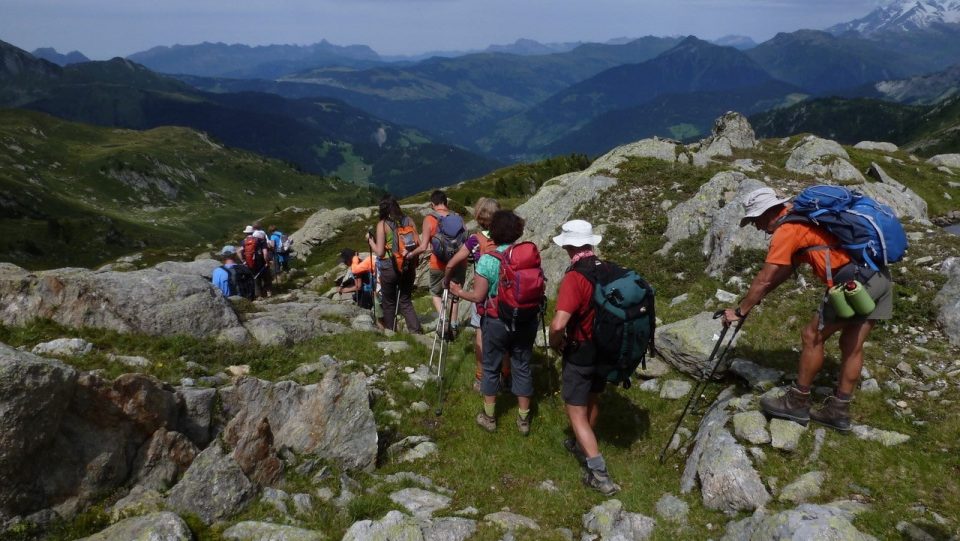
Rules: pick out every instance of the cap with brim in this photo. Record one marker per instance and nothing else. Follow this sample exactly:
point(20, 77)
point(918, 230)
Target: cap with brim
point(228, 250)
point(247, 230)
point(759, 201)
point(577, 233)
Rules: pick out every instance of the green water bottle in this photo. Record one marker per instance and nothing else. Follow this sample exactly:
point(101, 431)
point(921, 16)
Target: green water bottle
point(838, 300)
point(859, 298)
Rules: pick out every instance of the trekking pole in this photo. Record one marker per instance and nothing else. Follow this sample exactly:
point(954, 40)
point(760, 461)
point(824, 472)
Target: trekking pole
point(436, 335)
point(548, 358)
point(444, 318)
point(702, 384)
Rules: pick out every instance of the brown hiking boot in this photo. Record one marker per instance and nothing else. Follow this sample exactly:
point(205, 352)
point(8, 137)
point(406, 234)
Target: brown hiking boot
point(600, 481)
point(793, 405)
point(834, 413)
point(486, 422)
point(523, 425)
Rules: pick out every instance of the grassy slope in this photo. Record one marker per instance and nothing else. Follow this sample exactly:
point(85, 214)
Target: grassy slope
point(65, 202)
point(503, 470)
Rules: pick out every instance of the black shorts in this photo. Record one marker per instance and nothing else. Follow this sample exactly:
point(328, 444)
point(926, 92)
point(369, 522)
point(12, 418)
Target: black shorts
point(579, 382)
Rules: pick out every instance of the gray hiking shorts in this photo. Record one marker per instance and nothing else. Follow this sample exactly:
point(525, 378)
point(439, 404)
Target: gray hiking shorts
point(880, 287)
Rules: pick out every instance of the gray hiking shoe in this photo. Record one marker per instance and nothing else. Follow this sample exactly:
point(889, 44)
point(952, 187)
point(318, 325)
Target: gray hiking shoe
point(600, 481)
point(523, 425)
point(834, 413)
point(486, 422)
point(793, 405)
point(571, 445)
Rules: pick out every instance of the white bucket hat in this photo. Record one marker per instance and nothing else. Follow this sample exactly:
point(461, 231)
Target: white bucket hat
point(577, 233)
point(759, 201)
point(247, 230)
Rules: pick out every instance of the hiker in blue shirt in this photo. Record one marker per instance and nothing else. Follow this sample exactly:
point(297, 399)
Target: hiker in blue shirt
point(280, 261)
point(221, 277)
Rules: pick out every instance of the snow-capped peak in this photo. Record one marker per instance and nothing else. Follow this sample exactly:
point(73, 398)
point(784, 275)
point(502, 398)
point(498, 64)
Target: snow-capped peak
point(904, 15)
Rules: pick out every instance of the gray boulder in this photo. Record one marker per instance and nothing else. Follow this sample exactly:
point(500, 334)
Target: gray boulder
point(673, 509)
point(675, 389)
point(686, 344)
point(305, 317)
point(261, 531)
point(511, 521)
point(946, 160)
point(148, 301)
point(323, 225)
point(448, 529)
point(805, 488)
point(948, 300)
point(886, 437)
point(196, 413)
point(331, 418)
point(139, 501)
point(877, 146)
point(731, 131)
point(162, 460)
point(200, 267)
point(728, 480)
point(63, 347)
point(214, 488)
point(759, 377)
point(906, 204)
point(822, 158)
point(394, 526)
point(153, 527)
point(785, 434)
point(67, 438)
point(419, 502)
point(751, 426)
point(610, 521)
point(805, 523)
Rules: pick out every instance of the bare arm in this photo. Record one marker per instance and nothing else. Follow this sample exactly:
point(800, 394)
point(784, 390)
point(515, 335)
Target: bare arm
point(424, 242)
point(379, 245)
point(768, 279)
point(455, 262)
point(558, 330)
point(479, 292)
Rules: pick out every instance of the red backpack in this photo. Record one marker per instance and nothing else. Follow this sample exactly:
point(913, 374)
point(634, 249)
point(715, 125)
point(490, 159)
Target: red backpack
point(521, 290)
point(253, 253)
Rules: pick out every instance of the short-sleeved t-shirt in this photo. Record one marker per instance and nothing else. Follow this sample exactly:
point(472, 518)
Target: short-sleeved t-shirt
point(574, 297)
point(489, 268)
point(788, 243)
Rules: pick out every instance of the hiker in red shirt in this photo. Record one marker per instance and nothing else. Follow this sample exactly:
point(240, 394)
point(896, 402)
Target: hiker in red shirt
point(792, 244)
point(571, 333)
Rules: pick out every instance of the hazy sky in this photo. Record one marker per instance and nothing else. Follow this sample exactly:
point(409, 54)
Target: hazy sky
point(107, 28)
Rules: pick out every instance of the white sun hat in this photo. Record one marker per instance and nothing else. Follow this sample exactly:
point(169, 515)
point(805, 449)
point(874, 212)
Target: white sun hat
point(577, 233)
point(759, 201)
point(247, 230)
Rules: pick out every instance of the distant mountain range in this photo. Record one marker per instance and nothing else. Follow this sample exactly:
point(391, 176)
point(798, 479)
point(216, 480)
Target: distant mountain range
point(51, 55)
point(319, 135)
point(903, 15)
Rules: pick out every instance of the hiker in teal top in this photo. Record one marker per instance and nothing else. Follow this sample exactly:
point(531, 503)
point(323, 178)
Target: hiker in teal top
point(498, 339)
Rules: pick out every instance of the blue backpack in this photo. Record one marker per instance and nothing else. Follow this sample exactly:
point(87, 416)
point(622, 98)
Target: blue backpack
point(868, 231)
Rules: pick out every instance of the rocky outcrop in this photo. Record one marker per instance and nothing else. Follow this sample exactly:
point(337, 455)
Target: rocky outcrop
point(687, 344)
point(331, 418)
point(877, 146)
point(260, 531)
point(300, 318)
point(728, 480)
point(806, 522)
point(716, 209)
point(324, 225)
point(906, 204)
point(395, 525)
point(162, 526)
point(254, 451)
point(148, 301)
point(214, 487)
point(162, 460)
point(63, 347)
point(946, 160)
point(731, 131)
point(824, 159)
point(948, 301)
point(67, 437)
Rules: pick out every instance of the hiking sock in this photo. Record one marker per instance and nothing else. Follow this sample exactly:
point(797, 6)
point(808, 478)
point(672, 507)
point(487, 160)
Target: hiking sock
point(842, 396)
point(489, 409)
point(802, 388)
point(597, 463)
point(523, 414)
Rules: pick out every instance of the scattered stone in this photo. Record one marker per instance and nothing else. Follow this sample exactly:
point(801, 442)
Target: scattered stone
point(468, 512)
point(682, 435)
point(905, 368)
point(887, 438)
point(448, 529)
point(946, 160)
point(214, 487)
point(819, 435)
point(751, 426)
point(420, 407)
point(511, 521)
point(421, 503)
point(363, 322)
point(63, 347)
point(275, 498)
point(140, 501)
point(412, 448)
point(758, 454)
point(759, 377)
point(823, 158)
point(389, 348)
point(675, 389)
point(673, 509)
point(609, 520)
point(912, 532)
point(650, 386)
point(870, 386)
point(238, 370)
point(725, 296)
point(806, 522)
point(687, 344)
point(155, 526)
point(655, 369)
point(420, 376)
point(680, 299)
point(325, 494)
point(805, 488)
point(878, 146)
point(785, 434)
point(260, 531)
point(549, 486)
